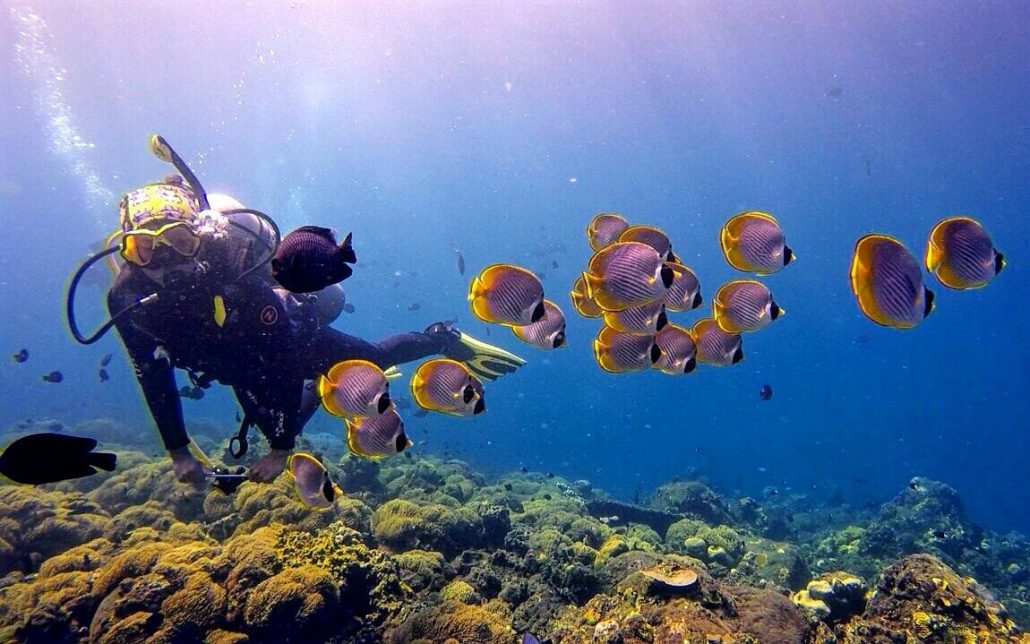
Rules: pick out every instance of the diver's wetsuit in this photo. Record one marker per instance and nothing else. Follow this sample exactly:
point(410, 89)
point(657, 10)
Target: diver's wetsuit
point(269, 344)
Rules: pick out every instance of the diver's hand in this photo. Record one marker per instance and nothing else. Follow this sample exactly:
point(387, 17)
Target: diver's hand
point(267, 468)
point(187, 468)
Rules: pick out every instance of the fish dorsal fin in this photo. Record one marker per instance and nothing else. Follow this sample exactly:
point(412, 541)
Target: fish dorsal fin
point(324, 233)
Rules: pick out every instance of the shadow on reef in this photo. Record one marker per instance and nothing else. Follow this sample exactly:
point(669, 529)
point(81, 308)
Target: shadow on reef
point(422, 550)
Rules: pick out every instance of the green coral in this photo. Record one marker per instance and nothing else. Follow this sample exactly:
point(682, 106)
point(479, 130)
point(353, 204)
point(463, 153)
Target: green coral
point(461, 592)
point(423, 569)
point(456, 622)
point(402, 525)
point(722, 545)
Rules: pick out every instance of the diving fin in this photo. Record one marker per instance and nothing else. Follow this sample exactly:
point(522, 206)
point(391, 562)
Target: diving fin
point(200, 455)
point(488, 362)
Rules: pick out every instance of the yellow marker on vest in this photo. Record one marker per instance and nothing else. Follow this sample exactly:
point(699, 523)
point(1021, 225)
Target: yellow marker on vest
point(219, 310)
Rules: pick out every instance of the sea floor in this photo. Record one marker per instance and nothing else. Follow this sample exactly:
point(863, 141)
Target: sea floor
point(427, 550)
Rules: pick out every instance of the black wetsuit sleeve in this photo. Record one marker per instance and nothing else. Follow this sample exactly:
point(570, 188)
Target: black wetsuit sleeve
point(331, 346)
point(155, 374)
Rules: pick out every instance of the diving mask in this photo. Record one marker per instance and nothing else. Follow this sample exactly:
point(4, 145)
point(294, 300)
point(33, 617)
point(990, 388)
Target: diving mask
point(138, 246)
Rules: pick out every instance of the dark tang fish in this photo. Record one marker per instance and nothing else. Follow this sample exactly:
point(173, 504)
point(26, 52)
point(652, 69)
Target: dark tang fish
point(47, 458)
point(21, 356)
point(888, 283)
point(53, 376)
point(309, 259)
point(961, 254)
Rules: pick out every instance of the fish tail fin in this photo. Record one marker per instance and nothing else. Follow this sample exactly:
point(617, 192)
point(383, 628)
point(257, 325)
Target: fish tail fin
point(104, 460)
point(347, 253)
point(325, 394)
point(591, 283)
point(602, 356)
point(934, 256)
point(480, 305)
point(476, 288)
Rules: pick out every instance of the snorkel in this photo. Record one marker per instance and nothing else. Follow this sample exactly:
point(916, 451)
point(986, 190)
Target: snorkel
point(208, 222)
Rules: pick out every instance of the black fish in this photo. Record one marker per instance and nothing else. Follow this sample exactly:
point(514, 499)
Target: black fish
point(104, 377)
point(835, 92)
point(106, 360)
point(309, 259)
point(53, 376)
point(461, 262)
point(766, 392)
point(415, 306)
point(21, 356)
point(348, 307)
point(47, 458)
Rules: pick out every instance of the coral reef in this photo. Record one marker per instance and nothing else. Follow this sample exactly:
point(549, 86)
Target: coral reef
point(420, 550)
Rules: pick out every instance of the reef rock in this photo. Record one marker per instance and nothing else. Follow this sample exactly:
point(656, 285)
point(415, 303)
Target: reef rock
point(693, 498)
point(927, 516)
point(920, 599)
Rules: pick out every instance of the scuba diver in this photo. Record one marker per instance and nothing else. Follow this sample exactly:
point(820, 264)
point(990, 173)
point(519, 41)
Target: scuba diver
point(195, 292)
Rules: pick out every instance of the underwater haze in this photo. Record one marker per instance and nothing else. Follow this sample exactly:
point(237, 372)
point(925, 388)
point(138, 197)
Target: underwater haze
point(499, 130)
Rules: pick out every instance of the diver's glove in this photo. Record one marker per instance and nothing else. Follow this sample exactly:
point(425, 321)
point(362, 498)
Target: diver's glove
point(484, 360)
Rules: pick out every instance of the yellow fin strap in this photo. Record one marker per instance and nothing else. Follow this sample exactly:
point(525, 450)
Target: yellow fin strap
point(200, 455)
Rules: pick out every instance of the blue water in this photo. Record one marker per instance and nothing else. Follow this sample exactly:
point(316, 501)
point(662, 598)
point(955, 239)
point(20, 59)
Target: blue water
point(500, 129)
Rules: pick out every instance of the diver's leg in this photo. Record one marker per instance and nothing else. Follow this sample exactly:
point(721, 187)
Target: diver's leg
point(309, 403)
point(276, 408)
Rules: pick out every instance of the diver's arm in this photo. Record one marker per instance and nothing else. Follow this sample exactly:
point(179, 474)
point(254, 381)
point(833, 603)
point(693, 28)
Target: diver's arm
point(154, 373)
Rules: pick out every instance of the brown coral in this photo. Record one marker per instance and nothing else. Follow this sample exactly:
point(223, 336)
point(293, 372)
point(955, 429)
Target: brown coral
point(298, 601)
point(921, 599)
point(453, 620)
